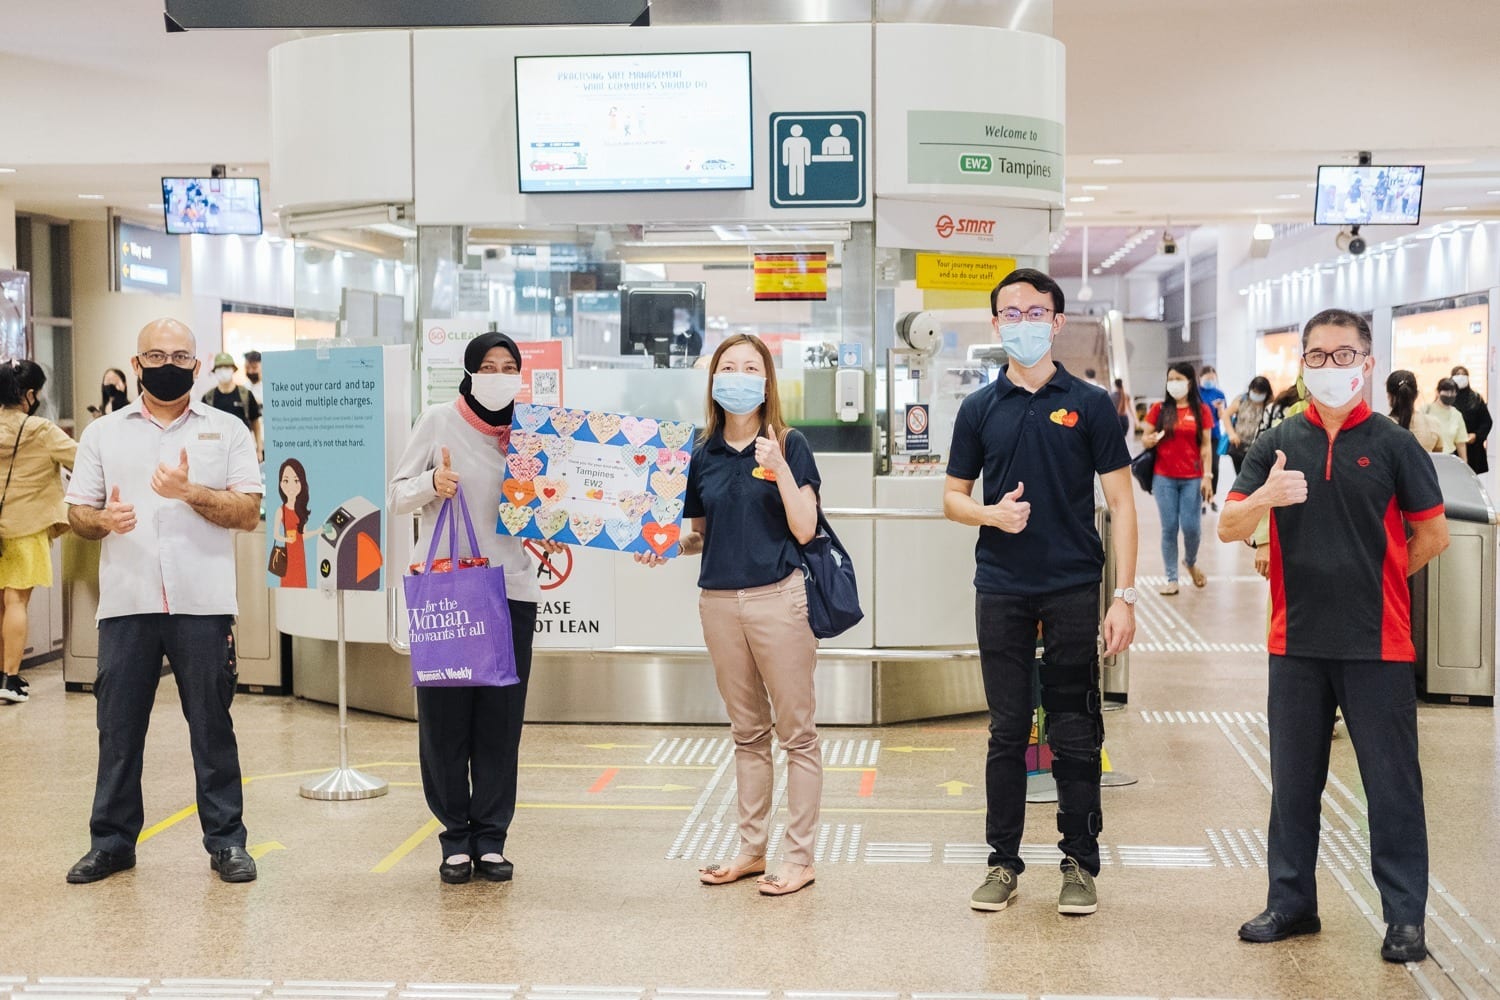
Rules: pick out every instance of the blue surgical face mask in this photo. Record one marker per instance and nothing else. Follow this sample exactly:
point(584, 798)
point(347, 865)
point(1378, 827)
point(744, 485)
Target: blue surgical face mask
point(1026, 343)
point(738, 392)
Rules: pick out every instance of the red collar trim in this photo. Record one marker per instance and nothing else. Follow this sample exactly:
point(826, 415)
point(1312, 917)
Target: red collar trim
point(1357, 416)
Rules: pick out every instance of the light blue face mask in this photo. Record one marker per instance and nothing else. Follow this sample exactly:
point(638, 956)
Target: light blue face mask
point(738, 392)
point(1026, 343)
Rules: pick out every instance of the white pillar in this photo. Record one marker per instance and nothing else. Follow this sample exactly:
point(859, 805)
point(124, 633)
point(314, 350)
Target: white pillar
point(7, 233)
point(1236, 339)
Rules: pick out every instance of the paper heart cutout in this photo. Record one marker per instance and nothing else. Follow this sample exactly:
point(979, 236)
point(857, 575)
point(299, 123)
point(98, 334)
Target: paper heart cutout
point(635, 504)
point(551, 490)
point(530, 417)
point(551, 521)
point(565, 422)
point(559, 448)
point(675, 433)
point(527, 443)
point(638, 458)
point(661, 537)
point(514, 517)
point(586, 527)
point(604, 426)
point(523, 467)
point(638, 430)
point(666, 511)
point(670, 461)
point(668, 485)
point(518, 492)
point(622, 532)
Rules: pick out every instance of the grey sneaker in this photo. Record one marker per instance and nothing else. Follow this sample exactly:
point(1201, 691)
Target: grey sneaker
point(1078, 895)
point(998, 890)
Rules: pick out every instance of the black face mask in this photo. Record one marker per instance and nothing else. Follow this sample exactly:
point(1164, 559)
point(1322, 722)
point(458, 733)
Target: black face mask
point(167, 383)
point(254, 377)
point(1448, 397)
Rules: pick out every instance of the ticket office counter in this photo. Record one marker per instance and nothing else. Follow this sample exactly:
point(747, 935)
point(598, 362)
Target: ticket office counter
point(261, 663)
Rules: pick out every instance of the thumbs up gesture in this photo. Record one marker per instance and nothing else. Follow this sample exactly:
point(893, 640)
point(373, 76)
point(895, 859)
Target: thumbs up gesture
point(119, 517)
point(171, 481)
point(444, 479)
point(1284, 487)
point(1011, 513)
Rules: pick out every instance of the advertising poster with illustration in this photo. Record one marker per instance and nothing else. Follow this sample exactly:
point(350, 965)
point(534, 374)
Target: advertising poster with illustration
point(1429, 344)
point(325, 468)
point(602, 480)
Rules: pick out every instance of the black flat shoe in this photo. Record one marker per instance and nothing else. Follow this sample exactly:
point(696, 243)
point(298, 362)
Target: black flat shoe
point(1271, 926)
point(96, 865)
point(1404, 943)
point(234, 864)
point(496, 871)
point(456, 874)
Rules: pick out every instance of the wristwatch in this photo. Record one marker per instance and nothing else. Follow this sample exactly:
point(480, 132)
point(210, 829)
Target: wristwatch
point(1128, 595)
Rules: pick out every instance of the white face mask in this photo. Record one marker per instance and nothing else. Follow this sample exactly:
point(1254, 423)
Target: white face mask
point(1462, 381)
point(1257, 397)
point(494, 390)
point(1177, 388)
point(1333, 387)
point(224, 375)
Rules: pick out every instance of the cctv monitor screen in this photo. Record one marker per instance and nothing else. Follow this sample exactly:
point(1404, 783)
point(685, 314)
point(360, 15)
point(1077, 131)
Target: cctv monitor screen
point(214, 206)
point(673, 121)
point(1369, 196)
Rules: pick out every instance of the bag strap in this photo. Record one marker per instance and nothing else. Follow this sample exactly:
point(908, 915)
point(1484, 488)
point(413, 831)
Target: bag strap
point(15, 449)
point(463, 508)
point(444, 518)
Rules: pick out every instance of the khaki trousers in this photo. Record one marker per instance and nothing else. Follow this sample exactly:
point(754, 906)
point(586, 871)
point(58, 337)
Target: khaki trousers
point(761, 645)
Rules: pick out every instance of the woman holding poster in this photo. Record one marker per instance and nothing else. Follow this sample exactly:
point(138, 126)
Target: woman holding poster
point(469, 737)
point(752, 499)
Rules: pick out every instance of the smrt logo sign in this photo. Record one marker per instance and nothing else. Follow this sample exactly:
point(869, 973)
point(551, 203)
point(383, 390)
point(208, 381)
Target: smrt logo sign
point(948, 226)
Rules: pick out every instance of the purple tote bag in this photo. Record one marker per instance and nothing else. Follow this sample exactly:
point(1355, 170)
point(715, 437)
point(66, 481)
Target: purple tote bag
point(459, 620)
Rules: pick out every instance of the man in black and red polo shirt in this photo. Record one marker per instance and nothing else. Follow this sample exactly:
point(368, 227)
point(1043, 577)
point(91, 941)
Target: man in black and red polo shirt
point(1343, 487)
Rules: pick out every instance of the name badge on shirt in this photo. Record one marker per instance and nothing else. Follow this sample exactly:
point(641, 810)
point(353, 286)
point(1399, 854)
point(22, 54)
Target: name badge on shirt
point(211, 436)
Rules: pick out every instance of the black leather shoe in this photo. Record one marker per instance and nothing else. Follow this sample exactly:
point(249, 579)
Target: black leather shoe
point(496, 871)
point(1271, 926)
point(96, 865)
point(234, 864)
point(1404, 943)
point(456, 874)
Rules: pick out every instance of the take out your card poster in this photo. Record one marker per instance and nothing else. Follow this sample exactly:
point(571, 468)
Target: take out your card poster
point(325, 468)
point(602, 480)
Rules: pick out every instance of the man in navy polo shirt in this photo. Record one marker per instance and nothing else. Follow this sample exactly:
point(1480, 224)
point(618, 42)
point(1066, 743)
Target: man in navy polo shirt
point(1039, 435)
point(1342, 486)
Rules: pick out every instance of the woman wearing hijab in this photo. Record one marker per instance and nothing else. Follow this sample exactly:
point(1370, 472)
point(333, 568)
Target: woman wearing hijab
point(470, 737)
point(1476, 418)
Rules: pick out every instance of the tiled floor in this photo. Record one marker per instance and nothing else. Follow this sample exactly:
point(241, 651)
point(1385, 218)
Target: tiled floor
point(615, 819)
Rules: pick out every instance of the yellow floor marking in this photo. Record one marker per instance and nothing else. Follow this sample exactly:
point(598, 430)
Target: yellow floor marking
point(261, 850)
point(1104, 760)
point(410, 844)
point(658, 788)
point(166, 824)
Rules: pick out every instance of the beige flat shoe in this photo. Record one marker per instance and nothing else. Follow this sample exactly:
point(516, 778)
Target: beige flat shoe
point(725, 874)
point(776, 885)
point(1200, 578)
point(1169, 589)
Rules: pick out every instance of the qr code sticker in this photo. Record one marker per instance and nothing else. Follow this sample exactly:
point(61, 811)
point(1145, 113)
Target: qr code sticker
point(544, 386)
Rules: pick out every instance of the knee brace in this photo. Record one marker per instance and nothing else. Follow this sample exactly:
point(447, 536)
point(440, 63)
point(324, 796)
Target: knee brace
point(1080, 824)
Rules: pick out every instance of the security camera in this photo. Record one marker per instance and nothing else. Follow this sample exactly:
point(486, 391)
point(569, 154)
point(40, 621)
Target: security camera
point(1168, 243)
point(1349, 241)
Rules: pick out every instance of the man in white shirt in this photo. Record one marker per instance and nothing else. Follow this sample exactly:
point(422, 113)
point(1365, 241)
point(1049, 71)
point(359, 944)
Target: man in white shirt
point(164, 484)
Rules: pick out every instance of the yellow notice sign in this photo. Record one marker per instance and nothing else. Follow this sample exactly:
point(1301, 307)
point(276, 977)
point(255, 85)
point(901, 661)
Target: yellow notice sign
point(960, 272)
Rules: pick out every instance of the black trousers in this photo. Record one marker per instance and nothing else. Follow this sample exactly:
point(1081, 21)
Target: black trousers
point(1379, 702)
point(1007, 628)
point(200, 649)
point(470, 742)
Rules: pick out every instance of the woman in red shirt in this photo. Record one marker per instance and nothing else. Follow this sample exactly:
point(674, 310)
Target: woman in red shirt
point(1184, 470)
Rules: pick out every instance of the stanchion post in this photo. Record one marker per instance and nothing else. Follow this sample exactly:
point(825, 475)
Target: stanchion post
point(344, 783)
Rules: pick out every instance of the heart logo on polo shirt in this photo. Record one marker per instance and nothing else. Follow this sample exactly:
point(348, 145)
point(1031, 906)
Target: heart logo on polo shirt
point(761, 472)
point(1067, 418)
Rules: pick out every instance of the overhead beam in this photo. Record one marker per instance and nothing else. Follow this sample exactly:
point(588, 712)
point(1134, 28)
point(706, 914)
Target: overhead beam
point(193, 15)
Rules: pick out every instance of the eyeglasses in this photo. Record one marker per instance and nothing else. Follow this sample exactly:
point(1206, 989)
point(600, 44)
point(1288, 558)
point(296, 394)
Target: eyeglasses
point(155, 359)
point(1343, 357)
point(1035, 314)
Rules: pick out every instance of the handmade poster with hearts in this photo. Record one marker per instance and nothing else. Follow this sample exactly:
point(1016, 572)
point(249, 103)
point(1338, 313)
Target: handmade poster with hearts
point(604, 480)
